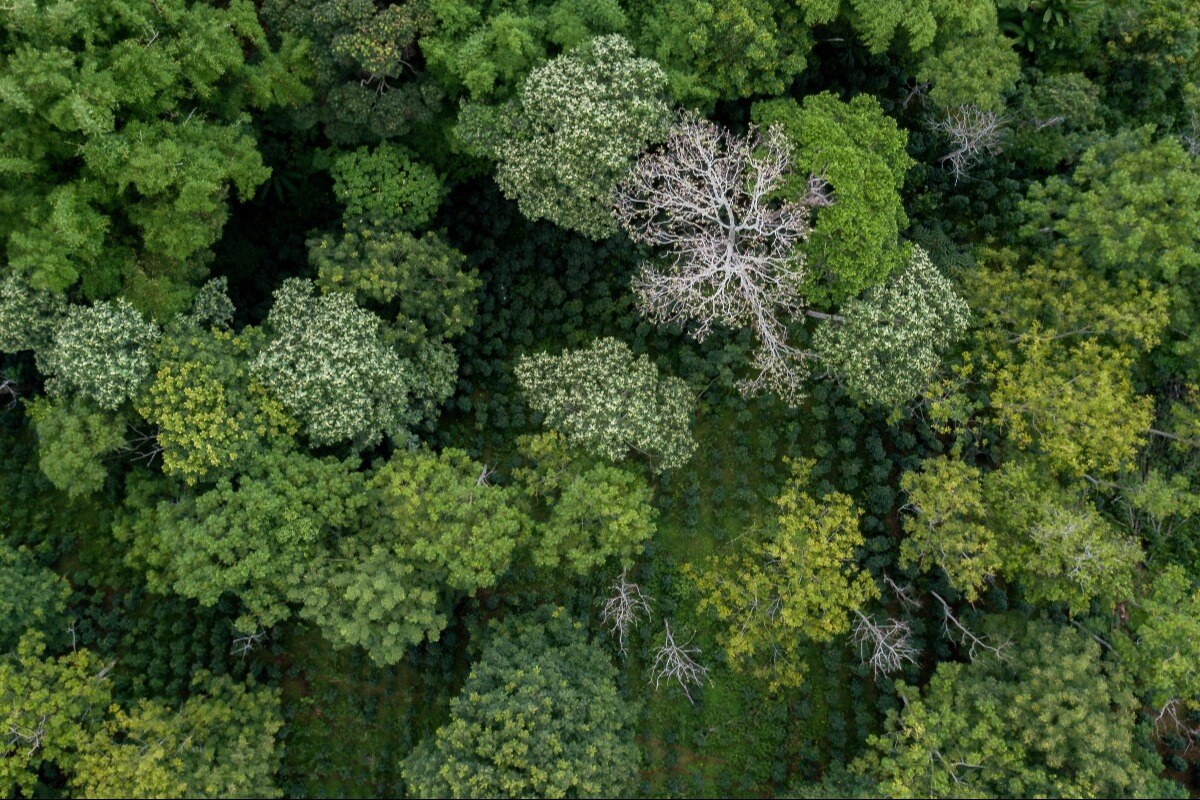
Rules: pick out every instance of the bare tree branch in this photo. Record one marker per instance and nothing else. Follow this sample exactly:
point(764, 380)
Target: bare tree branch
point(244, 645)
point(975, 134)
point(675, 662)
point(884, 646)
point(8, 393)
point(710, 199)
point(623, 610)
point(956, 630)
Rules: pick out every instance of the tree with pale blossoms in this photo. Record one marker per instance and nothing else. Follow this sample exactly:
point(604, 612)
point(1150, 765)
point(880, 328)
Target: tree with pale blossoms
point(329, 365)
point(573, 132)
point(887, 344)
point(609, 401)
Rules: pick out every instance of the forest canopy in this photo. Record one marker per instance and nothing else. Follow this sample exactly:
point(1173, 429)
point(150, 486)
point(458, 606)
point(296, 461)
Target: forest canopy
point(578, 398)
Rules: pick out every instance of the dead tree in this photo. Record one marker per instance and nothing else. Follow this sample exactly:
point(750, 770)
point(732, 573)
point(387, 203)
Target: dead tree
point(8, 393)
point(676, 662)
point(141, 446)
point(244, 645)
point(974, 134)
point(710, 200)
point(885, 646)
point(30, 737)
point(623, 610)
point(957, 631)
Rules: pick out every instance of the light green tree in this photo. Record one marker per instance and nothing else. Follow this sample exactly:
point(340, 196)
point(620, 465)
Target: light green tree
point(443, 512)
point(1075, 406)
point(369, 593)
point(1162, 645)
point(1131, 210)
point(125, 133)
point(73, 441)
point(220, 743)
point(48, 706)
point(385, 188)
point(859, 154)
point(723, 49)
point(254, 536)
point(585, 512)
point(484, 48)
point(1050, 720)
point(210, 412)
point(947, 525)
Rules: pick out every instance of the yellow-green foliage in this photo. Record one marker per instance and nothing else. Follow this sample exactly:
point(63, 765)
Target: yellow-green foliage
point(1075, 406)
point(946, 528)
point(210, 410)
point(799, 583)
point(220, 743)
point(47, 701)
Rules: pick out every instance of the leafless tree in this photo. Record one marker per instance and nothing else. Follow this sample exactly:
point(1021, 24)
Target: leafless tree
point(885, 646)
point(31, 736)
point(676, 662)
point(1191, 137)
point(244, 645)
point(1171, 719)
point(956, 630)
point(624, 608)
point(903, 593)
point(710, 200)
point(8, 393)
point(141, 446)
point(974, 135)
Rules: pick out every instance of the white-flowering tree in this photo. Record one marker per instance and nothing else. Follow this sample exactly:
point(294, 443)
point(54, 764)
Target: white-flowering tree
point(710, 201)
point(100, 352)
point(573, 131)
point(609, 401)
point(886, 344)
point(327, 363)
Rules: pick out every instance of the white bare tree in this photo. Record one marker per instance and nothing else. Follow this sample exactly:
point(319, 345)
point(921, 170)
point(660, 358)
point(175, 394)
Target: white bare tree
point(244, 645)
point(710, 200)
point(30, 736)
point(974, 135)
point(676, 661)
point(8, 393)
point(624, 608)
point(885, 646)
point(1173, 719)
point(1191, 136)
point(954, 629)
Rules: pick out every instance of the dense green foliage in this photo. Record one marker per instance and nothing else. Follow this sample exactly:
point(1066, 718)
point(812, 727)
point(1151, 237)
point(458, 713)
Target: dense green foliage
point(539, 716)
point(563, 398)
